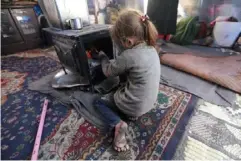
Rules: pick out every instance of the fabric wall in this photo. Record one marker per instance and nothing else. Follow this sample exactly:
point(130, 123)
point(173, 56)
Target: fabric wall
point(106, 11)
point(163, 14)
point(208, 10)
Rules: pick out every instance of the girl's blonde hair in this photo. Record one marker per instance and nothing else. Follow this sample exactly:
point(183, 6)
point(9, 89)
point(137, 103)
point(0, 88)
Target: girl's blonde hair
point(132, 23)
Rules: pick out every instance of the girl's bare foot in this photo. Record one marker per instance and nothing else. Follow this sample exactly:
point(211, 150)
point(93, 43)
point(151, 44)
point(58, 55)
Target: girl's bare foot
point(120, 142)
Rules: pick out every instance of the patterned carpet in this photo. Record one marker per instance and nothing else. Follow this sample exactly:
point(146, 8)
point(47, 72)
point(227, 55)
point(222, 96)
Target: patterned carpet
point(213, 133)
point(155, 135)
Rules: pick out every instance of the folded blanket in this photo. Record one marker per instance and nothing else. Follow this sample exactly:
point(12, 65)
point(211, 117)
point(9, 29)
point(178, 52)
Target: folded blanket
point(187, 29)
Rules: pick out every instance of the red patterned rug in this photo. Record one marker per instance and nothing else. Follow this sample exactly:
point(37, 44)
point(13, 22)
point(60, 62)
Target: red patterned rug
point(155, 135)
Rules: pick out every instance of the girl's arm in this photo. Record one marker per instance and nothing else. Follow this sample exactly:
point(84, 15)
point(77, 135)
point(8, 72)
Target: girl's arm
point(112, 68)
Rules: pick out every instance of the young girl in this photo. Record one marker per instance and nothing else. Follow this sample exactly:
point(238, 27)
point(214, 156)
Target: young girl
point(135, 34)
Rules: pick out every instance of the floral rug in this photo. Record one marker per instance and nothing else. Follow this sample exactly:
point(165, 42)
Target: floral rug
point(155, 135)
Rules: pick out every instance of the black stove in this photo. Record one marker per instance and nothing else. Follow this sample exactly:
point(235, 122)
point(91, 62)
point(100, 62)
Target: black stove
point(77, 50)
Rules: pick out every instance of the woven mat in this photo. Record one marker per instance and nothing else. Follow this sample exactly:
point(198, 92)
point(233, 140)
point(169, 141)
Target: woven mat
point(213, 133)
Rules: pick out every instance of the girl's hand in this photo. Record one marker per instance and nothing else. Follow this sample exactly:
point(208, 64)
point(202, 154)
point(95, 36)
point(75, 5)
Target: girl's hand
point(101, 53)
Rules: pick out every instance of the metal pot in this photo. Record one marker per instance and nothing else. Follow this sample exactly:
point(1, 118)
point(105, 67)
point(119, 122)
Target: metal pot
point(75, 23)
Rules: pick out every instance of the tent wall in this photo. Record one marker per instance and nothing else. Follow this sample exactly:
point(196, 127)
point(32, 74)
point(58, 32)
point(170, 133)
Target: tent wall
point(208, 10)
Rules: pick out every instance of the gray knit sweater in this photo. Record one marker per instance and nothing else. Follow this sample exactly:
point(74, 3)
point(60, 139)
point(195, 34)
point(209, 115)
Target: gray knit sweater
point(141, 64)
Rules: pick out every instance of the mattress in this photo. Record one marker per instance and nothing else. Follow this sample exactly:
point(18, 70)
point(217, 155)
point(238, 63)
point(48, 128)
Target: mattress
point(223, 70)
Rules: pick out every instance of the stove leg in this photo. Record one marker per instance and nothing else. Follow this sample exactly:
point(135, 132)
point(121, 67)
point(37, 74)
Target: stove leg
point(64, 70)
